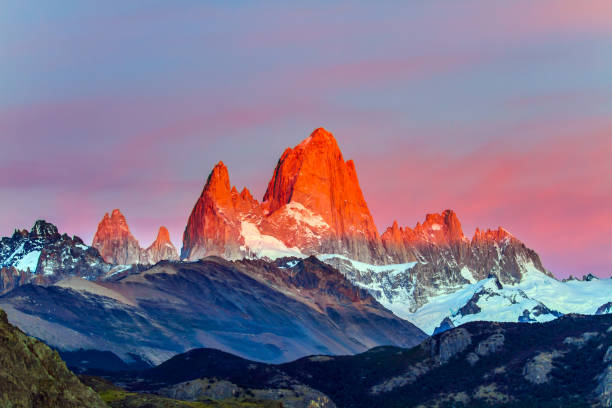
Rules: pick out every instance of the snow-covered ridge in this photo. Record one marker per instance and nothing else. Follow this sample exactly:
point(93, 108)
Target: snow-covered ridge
point(536, 298)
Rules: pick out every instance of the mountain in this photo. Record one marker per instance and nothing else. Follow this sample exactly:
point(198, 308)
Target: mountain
point(313, 205)
point(44, 256)
point(34, 376)
point(441, 265)
point(536, 297)
point(114, 240)
point(118, 246)
point(264, 311)
point(315, 175)
point(161, 249)
point(566, 362)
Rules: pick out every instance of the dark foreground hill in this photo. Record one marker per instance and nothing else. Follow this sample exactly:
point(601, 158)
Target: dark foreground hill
point(566, 362)
point(33, 375)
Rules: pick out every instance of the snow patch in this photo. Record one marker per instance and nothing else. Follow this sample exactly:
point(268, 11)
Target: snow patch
point(393, 269)
point(30, 261)
point(436, 227)
point(467, 274)
point(264, 246)
point(303, 215)
point(118, 269)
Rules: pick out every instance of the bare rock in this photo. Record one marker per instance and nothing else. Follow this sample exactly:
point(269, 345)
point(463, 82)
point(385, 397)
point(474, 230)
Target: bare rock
point(453, 343)
point(537, 370)
point(490, 345)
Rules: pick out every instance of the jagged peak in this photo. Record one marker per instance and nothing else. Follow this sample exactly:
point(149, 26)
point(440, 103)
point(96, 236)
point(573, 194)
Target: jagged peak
point(108, 223)
point(446, 221)
point(319, 136)
point(219, 176)
point(492, 234)
point(218, 185)
point(245, 194)
point(43, 228)
point(163, 235)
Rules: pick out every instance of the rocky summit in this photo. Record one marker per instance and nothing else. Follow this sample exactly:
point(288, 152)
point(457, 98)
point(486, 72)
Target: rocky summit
point(313, 205)
point(161, 249)
point(114, 240)
point(43, 255)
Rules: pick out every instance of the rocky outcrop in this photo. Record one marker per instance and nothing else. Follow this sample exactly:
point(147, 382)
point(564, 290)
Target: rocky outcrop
point(118, 246)
point(538, 369)
point(290, 396)
point(491, 345)
point(604, 387)
point(453, 343)
point(33, 375)
point(582, 340)
point(604, 309)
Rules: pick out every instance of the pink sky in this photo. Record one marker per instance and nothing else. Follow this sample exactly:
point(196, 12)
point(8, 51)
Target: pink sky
point(500, 111)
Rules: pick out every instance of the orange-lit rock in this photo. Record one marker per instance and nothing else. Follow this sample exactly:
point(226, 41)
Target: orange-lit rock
point(439, 243)
point(315, 175)
point(161, 248)
point(214, 226)
point(114, 240)
point(117, 245)
point(313, 204)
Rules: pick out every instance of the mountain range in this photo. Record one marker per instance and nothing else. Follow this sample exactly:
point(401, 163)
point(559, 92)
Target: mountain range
point(303, 271)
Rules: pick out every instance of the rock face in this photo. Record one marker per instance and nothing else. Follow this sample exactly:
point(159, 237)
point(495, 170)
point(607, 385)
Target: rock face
point(313, 205)
point(114, 240)
point(537, 370)
point(440, 243)
point(33, 375)
point(118, 246)
point(604, 309)
point(44, 256)
point(315, 175)
point(214, 226)
point(161, 248)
